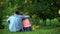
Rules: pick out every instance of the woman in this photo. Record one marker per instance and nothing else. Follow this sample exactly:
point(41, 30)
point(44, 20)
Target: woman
point(26, 24)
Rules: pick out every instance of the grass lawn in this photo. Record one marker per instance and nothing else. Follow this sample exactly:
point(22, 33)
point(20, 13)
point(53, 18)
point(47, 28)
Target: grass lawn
point(40, 31)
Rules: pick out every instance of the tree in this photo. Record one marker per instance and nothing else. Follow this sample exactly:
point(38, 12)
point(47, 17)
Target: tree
point(40, 8)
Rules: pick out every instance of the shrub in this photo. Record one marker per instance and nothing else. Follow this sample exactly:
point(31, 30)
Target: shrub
point(54, 22)
point(48, 22)
point(41, 21)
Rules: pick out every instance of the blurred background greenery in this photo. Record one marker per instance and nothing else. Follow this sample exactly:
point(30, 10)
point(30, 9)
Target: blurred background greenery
point(38, 10)
point(41, 12)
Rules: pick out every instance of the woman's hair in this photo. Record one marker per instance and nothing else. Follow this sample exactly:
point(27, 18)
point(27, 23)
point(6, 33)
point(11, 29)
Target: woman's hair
point(21, 13)
point(17, 12)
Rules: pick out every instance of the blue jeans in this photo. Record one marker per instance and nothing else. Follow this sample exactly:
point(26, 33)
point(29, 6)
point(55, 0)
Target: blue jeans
point(27, 28)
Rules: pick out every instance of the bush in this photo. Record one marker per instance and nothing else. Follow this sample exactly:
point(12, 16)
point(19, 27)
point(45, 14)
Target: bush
point(41, 21)
point(54, 22)
point(34, 21)
point(48, 22)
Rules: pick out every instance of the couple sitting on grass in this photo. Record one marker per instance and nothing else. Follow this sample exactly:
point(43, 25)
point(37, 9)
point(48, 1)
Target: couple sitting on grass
point(19, 22)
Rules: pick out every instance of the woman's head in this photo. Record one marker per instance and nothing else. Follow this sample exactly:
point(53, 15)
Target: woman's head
point(21, 13)
point(16, 12)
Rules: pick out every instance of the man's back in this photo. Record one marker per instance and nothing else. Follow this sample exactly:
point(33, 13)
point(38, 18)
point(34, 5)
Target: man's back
point(15, 23)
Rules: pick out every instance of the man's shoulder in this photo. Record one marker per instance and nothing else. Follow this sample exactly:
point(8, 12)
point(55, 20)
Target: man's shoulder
point(20, 15)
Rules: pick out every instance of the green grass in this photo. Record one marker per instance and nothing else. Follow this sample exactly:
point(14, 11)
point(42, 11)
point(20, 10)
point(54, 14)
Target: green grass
point(42, 30)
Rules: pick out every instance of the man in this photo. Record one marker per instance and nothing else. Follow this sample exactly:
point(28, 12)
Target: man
point(15, 22)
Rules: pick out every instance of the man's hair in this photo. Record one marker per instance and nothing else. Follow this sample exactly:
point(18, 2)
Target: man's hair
point(17, 12)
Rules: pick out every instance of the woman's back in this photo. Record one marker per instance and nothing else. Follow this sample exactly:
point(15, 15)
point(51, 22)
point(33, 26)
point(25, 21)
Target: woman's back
point(26, 22)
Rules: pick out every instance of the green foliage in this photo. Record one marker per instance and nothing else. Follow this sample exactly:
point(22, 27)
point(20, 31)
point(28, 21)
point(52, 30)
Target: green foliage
point(54, 22)
point(34, 21)
point(41, 21)
point(40, 8)
point(48, 22)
